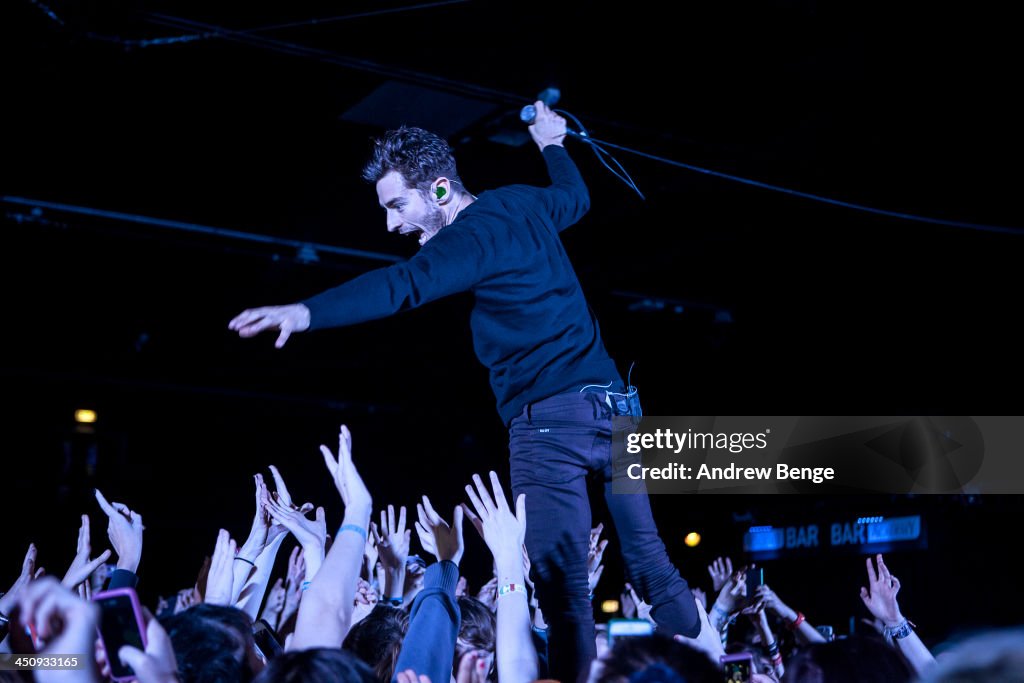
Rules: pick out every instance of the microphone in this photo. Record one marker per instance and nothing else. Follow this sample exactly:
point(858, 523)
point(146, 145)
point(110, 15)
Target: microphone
point(549, 96)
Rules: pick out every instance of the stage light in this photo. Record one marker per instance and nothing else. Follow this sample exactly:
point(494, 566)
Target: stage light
point(84, 416)
point(692, 539)
point(610, 606)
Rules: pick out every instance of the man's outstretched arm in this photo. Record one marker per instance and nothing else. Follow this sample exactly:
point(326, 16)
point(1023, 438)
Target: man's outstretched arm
point(453, 261)
point(566, 200)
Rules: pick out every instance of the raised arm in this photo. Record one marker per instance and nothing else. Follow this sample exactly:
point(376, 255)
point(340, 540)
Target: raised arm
point(880, 599)
point(566, 200)
point(326, 609)
point(504, 532)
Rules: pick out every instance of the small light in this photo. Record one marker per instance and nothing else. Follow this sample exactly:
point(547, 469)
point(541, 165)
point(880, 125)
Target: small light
point(692, 539)
point(610, 606)
point(84, 416)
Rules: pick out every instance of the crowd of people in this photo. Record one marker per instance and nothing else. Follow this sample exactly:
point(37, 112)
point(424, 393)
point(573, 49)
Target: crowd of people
point(358, 605)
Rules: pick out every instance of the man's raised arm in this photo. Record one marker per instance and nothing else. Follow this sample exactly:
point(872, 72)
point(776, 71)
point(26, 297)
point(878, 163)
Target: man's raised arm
point(566, 200)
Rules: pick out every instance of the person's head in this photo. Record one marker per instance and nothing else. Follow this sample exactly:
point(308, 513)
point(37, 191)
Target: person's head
point(417, 183)
point(989, 656)
point(851, 660)
point(317, 665)
point(213, 643)
point(377, 639)
point(653, 659)
point(476, 630)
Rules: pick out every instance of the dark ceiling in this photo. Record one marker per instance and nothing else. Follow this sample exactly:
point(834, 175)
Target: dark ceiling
point(731, 299)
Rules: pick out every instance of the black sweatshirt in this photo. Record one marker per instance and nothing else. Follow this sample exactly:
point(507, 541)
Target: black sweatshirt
point(531, 325)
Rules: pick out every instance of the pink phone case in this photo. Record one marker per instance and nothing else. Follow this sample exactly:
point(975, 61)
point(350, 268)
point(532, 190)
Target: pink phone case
point(139, 620)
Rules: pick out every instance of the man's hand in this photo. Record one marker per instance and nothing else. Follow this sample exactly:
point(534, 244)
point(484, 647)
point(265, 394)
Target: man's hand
point(880, 595)
point(124, 529)
point(547, 129)
point(393, 543)
point(285, 319)
point(443, 541)
point(503, 530)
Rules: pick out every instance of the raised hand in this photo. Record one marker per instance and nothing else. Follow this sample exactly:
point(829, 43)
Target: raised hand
point(503, 531)
point(880, 595)
point(282, 496)
point(436, 536)
point(347, 479)
point(220, 581)
point(285, 319)
point(720, 571)
point(548, 128)
point(393, 541)
point(773, 603)
point(158, 663)
point(259, 533)
point(124, 529)
point(82, 567)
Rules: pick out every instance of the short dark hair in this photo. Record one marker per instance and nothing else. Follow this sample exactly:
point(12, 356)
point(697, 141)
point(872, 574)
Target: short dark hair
point(854, 659)
point(418, 155)
point(377, 639)
point(211, 643)
point(657, 659)
point(316, 665)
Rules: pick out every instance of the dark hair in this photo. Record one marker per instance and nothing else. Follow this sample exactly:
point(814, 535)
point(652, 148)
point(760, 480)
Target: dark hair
point(657, 659)
point(316, 665)
point(418, 155)
point(855, 659)
point(477, 630)
point(377, 639)
point(211, 643)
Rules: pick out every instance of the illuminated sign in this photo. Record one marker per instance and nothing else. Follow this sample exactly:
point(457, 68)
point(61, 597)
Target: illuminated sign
point(865, 531)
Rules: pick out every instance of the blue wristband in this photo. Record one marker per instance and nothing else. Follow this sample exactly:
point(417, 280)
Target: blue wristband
point(353, 527)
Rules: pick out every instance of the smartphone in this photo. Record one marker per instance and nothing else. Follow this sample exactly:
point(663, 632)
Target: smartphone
point(266, 640)
point(737, 667)
point(827, 632)
point(628, 628)
point(755, 578)
point(121, 623)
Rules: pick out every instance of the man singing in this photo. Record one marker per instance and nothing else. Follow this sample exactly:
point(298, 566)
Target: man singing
point(557, 389)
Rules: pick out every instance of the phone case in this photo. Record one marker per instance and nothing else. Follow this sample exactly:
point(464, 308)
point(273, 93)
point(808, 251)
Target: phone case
point(136, 608)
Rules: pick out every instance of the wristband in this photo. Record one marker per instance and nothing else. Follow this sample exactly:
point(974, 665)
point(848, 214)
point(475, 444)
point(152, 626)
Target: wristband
point(772, 648)
point(4, 619)
point(777, 660)
point(901, 630)
point(795, 624)
point(512, 588)
point(353, 527)
point(242, 559)
point(394, 602)
point(306, 585)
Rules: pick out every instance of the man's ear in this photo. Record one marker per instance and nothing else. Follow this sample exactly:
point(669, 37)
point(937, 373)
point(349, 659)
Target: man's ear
point(441, 189)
